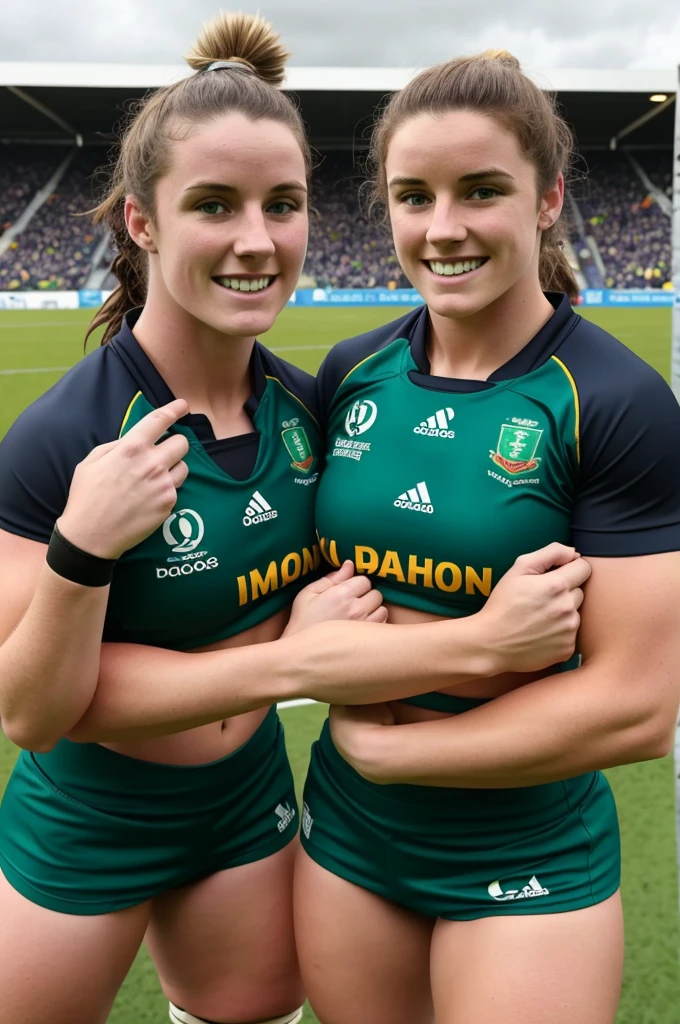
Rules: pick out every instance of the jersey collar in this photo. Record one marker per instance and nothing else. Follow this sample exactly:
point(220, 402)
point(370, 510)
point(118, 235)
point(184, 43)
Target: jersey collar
point(534, 354)
point(154, 388)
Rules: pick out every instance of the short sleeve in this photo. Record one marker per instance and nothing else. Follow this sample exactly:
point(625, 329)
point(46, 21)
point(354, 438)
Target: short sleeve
point(34, 478)
point(628, 499)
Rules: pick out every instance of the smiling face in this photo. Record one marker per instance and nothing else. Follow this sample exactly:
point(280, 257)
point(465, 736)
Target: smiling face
point(465, 213)
point(228, 237)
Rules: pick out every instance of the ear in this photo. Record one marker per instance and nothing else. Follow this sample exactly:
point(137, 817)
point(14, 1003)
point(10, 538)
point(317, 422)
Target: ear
point(140, 226)
point(551, 204)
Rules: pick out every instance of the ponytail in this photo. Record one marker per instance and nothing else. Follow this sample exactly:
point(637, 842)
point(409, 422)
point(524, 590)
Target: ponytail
point(128, 267)
point(554, 271)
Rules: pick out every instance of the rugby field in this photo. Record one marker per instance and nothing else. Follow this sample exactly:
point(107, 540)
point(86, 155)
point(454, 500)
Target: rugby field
point(36, 348)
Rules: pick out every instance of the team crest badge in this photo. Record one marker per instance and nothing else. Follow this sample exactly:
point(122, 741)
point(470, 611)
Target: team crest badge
point(516, 448)
point(298, 447)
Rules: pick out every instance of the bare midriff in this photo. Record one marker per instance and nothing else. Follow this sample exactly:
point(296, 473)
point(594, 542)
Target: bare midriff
point(209, 742)
point(493, 687)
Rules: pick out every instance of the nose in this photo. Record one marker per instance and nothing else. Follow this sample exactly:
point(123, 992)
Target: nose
point(252, 235)
point(446, 225)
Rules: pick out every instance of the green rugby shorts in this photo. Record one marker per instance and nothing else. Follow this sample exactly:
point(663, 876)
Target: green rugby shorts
point(85, 830)
point(462, 854)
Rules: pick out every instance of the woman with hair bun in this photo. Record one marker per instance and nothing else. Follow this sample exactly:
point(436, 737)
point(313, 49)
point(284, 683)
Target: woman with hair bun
point(152, 546)
point(469, 830)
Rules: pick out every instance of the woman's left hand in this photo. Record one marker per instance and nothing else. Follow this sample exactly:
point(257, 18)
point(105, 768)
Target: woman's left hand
point(359, 733)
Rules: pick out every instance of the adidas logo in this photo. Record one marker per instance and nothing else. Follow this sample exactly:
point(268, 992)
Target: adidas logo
point(529, 892)
point(417, 499)
point(307, 820)
point(258, 511)
point(437, 425)
point(286, 813)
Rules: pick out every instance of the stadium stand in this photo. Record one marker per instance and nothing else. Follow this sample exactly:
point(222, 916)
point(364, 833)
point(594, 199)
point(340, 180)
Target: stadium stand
point(619, 232)
point(632, 232)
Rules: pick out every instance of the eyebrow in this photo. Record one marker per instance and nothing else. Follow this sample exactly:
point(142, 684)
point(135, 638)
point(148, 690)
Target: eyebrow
point(489, 172)
point(215, 186)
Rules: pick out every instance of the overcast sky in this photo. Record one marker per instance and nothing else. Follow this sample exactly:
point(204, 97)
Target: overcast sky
point(402, 33)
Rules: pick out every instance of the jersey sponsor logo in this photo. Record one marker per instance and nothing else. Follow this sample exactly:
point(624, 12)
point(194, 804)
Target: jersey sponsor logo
point(187, 568)
point(258, 583)
point(183, 531)
point(416, 498)
point(298, 447)
point(361, 417)
point(516, 448)
point(437, 425)
point(528, 892)
point(189, 525)
point(412, 569)
point(285, 814)
point(258, 510)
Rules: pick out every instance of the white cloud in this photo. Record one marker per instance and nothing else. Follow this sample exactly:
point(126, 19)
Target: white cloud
point(611, 34)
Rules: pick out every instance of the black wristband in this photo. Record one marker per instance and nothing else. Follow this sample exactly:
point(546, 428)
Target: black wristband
point(77, 565)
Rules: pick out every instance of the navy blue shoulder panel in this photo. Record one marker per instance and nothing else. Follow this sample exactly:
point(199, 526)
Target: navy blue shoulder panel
point(347, 354)
point(40, 451)
point(297, 381)
point(628, 500)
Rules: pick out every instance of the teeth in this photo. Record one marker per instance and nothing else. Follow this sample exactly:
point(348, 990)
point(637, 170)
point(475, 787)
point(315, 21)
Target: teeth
point(449, 269)
point(239, 284)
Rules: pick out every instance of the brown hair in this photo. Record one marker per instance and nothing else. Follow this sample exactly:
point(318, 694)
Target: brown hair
point(144, 156)
point(490, 83)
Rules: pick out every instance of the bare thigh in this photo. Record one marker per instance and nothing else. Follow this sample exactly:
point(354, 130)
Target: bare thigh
point(534, 969)
point(60, 968)
point(224, 947)
point(362, 957)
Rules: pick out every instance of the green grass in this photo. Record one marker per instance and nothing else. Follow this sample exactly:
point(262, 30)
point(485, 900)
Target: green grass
point(644, 793)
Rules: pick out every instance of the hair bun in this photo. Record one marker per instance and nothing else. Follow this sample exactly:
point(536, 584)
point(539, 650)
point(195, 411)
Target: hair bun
point(245, 38)
point(502, 57)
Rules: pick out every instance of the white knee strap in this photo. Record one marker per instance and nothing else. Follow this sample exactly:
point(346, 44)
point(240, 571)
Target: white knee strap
point(178, 1016)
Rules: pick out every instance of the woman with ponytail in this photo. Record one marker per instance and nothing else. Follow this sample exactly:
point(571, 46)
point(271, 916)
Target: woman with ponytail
point(469, 830)
point(156, 522)
point(153, 797)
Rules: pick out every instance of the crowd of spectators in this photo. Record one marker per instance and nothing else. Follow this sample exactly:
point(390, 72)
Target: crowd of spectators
point(632, 232)
point(348, 247)
point(55, 250)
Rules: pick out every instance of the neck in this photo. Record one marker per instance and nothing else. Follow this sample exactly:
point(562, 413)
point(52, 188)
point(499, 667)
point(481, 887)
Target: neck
point(207, 368)
point(473, 347)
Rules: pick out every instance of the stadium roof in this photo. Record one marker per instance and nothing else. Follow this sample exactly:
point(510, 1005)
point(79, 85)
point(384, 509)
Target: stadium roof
point(60, 102)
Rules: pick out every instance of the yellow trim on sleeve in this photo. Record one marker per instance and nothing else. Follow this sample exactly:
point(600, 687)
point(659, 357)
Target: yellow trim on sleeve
point(127, 414)
point(361, 363)
point(310, 413)
point(577, 406)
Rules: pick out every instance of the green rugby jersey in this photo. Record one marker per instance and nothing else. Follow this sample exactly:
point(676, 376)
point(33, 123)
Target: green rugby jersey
point(234, 550)
point(433, 486)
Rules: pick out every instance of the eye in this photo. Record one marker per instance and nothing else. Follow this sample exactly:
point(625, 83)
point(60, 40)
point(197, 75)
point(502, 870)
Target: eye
point(484, 192)
point(415, 199)
point(281, 207)
point(211, 207)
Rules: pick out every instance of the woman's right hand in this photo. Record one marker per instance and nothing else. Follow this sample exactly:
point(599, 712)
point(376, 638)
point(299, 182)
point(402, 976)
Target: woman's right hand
point(339, 595)
point(125, 489)
point(531, 619)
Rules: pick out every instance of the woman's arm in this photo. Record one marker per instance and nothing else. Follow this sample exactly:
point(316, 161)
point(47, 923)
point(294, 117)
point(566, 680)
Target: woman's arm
point(529, 622)
point(620, 706)
point(50, 627)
